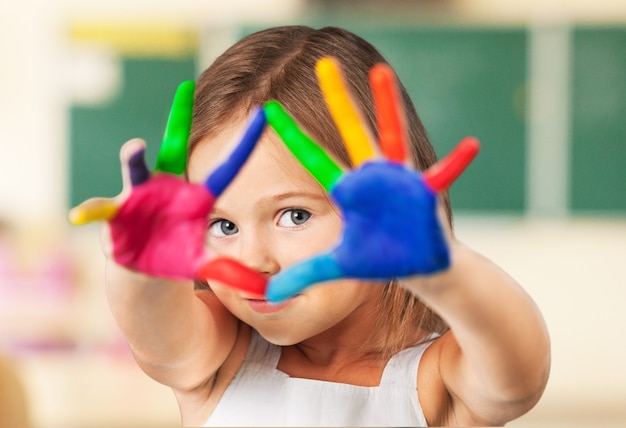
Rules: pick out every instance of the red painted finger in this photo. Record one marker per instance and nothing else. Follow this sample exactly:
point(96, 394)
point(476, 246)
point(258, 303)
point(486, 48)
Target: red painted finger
point(234, 274)
point(441, 175)
point(392, 130)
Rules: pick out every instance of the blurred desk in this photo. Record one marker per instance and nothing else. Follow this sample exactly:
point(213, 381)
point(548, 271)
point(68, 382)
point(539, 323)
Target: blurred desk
point(93, 390)
point(75, 366)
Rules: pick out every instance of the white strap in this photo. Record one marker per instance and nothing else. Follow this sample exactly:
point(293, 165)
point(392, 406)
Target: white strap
point(402, 367)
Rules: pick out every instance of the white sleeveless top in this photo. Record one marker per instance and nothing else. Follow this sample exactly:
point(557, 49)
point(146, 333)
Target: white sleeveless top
point(261, 395)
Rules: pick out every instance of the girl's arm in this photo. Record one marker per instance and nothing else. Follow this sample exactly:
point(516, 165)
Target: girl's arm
point(495, 362)
point(157, 228)
point(179, 337)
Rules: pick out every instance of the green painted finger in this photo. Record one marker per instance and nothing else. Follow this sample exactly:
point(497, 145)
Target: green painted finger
point(308, 152)
point(172, 156)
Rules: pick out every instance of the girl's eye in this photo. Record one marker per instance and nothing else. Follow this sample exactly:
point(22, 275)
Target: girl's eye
point(293, 218)
point(223, 228)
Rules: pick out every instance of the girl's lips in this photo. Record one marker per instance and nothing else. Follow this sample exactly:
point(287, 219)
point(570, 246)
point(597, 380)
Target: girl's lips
point(262, 306)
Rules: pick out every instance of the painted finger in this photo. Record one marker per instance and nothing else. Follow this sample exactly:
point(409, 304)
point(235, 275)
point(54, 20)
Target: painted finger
point(134, 169)
point(392, 131)
point(441, 175)
point(295, 279)
point(234, 274)
point(138, 170)
point(96, 209)
point(224, 174)
point(319, 164)
point(172, 155)
point(349, 122)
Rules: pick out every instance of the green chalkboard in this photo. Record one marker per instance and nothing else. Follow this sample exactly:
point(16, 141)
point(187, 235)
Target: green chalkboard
point(141, 110)
point(468, 81)
point(598, 164)
point(463, 81)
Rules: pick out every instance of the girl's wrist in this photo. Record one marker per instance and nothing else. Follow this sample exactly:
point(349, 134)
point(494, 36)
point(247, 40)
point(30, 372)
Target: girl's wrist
point(440, 281)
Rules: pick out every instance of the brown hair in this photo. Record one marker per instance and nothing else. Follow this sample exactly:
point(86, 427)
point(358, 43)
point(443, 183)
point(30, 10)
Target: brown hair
point(278, 64)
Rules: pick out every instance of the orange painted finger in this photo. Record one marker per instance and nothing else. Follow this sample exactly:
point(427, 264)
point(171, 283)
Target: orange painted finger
point(347, 118)
point(441, 175)
point(392, 132)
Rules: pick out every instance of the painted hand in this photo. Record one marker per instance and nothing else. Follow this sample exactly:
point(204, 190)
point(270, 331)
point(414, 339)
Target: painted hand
point(158, 223)
point(391, 226)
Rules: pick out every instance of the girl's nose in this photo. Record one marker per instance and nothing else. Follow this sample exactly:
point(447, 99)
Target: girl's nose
point(257, 253)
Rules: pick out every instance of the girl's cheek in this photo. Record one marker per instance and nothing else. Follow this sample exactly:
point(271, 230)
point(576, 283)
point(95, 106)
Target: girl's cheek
point(218, 246)
point(298, 248)
point(227, 295)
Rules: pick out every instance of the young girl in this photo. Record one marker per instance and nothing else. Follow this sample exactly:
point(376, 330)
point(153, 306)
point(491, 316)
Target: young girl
point(460, 345)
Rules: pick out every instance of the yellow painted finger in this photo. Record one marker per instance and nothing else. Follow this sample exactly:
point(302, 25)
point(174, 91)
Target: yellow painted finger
point(96, 209)
point(347, 118)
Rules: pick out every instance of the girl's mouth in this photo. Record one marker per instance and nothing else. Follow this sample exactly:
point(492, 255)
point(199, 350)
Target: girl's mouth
point(262, 306)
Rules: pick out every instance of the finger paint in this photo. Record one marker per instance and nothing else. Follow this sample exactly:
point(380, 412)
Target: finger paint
point(345, 115)
point(172, 157)
point(392, 132)
point(441, 175)
point(319, 164)
point(219, 179)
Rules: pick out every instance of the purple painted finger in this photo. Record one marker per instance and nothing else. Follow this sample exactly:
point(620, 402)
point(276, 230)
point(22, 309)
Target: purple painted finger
point(138, 169)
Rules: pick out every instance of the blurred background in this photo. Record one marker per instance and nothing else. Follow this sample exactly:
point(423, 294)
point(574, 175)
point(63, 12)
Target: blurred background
point(542, 83)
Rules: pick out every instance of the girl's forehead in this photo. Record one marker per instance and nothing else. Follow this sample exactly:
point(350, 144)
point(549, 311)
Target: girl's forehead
point(210, 152)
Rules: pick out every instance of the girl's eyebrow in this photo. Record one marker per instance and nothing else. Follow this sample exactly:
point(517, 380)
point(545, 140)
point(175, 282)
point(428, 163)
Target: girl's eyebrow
point(273, 199)
point(300, 194)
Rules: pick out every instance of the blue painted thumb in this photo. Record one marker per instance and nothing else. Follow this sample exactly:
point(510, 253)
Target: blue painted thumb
point(302, 275)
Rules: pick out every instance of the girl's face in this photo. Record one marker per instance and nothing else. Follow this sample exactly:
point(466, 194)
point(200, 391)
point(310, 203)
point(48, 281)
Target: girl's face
point(274, 214)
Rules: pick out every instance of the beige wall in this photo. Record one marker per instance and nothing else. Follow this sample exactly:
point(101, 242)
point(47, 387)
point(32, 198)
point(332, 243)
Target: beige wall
point(520, 10)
